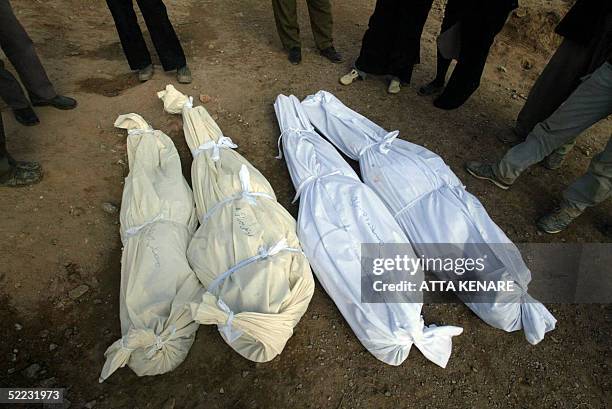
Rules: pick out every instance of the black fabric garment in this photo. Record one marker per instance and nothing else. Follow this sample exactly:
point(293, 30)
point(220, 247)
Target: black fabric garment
point(20, 51)
point(584, 20)
point(481, 21)
point(391, 44)
point(162, 33)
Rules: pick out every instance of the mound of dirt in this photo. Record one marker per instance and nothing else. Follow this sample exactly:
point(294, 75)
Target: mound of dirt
point(532, 25)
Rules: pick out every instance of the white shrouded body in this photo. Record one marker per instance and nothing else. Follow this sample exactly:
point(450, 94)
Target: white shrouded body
point(157, 221)
point(433, 207)
point(337, 214)
point(246, 252)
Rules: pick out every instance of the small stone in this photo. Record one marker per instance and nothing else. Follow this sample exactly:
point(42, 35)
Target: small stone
point(52, 347)
point(527, 65)
point(32, 371)
point(245, 374)
point(97, 301)
point(109, 208)
point(520, 12)
point(205, 98)
point(18, 327)
point(12, 357)
point(299, 386)
point(90, 404)
point(221, 391)
point(79, 291)
point(76, 211)
point(387, 394)
point(10, 371)
point(501, 68)
point(44, 333)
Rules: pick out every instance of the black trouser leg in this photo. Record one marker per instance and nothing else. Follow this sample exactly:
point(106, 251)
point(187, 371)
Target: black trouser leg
point(20, 51)
point(10, 90)
point(476, 39)
point(132, 41)
point(442, 65)
point(162, 33)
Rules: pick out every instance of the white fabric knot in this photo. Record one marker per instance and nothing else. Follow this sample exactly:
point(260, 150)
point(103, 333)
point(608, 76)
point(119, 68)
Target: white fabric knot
point(229, 333)
point(159, 343)
point(310, 179)
point(134, 230)
point(223, 142)
point(383, 145)
point(286, 131)
point(264, 253)
point(140, 131)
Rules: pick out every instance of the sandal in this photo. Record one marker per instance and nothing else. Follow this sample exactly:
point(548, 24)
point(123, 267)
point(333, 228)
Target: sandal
point(352, 76)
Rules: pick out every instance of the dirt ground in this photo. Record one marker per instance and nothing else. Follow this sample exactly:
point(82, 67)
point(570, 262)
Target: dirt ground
point(57, 238)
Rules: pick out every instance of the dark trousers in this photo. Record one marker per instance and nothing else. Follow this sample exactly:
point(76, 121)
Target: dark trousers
point(321, 22)
point(19, 49)
point(480, 23)
point(162, 33)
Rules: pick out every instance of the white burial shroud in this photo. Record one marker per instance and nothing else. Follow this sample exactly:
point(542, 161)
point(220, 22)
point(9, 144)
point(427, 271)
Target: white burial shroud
point(246, 252)
point(337, 214)
point(157, 221)
point(433, 207)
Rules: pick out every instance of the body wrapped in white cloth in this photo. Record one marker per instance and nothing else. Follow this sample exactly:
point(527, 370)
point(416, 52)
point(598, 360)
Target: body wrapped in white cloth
point(433, 208)
point(337, 214)
point(157, 221)
point(246, 252)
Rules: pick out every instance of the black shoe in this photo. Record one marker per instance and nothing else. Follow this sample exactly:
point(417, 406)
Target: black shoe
point(332, 55)
point(295, 55)
point(59, 102)
point(446, 103)
point(26, 116)
point(432, 88)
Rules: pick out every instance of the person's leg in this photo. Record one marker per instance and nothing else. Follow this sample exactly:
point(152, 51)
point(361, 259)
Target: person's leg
point(321, 22)
point(478, 32)
point(10, 90)
point(285, 16)
point(132, 41)
point(19, 49)
point(373, 56)
point(15, 173)
point(593, 187)
point(451, 17)
point(557, 81)
point(404, 48)
point(589, 103)
point(162, 33)
point(12, 94)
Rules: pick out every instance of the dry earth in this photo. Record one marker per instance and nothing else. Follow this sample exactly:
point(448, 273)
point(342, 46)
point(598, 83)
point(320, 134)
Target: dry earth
point(56, 237)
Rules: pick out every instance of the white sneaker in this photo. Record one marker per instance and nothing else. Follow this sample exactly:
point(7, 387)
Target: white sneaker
point(394, 86)
point(350, 77)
